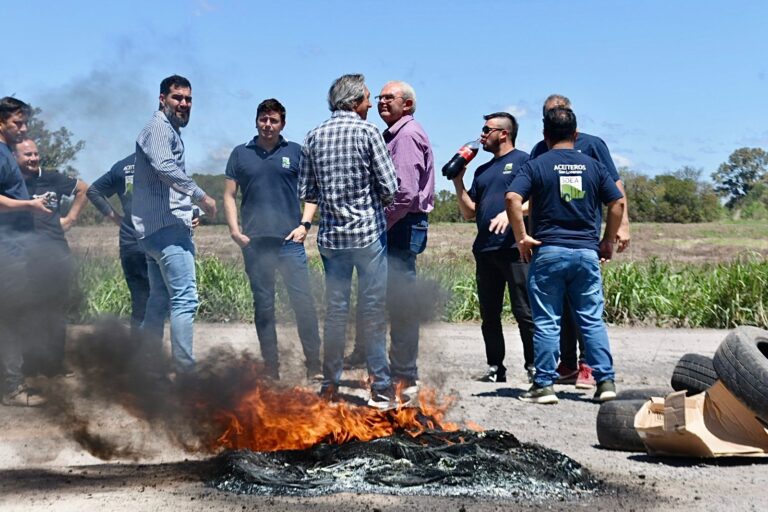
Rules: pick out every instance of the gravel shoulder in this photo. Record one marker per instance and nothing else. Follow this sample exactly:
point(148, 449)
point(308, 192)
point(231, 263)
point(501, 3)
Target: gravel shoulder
point(40, 469)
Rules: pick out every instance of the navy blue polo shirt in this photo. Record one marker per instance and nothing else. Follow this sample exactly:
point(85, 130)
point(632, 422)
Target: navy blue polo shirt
point(588, 145)
point(568, 189)
point(12, 186)
point(489, 185)
point(269, 183)
point(118, 180)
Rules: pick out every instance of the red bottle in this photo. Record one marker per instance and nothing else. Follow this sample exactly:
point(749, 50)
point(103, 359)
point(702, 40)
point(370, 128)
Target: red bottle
point(463, 156)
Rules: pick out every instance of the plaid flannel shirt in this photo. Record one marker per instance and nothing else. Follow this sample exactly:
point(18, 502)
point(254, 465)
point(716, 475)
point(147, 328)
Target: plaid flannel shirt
point(346, 169)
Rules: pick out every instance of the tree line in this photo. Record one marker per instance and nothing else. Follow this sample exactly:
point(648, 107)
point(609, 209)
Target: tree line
point(738, 190)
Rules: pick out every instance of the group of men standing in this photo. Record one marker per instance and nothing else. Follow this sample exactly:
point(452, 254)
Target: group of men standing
point(373, 193)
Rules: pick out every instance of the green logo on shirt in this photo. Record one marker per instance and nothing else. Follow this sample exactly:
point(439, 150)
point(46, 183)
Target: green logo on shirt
point(508, 168)
point(286, 162)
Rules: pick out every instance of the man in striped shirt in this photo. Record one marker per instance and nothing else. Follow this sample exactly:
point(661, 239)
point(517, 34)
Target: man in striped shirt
point(162, 215)
point(346, 169)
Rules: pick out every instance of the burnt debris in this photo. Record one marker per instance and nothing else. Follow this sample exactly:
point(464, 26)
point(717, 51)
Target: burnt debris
point(461, 463)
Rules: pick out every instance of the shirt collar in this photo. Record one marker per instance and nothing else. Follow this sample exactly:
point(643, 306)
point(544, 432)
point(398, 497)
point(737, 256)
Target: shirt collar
point(161, 115)
point(253, 143)
point(345, 113)
point(399, 124)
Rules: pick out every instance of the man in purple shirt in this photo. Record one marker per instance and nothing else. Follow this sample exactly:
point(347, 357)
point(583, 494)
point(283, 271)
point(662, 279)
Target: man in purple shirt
point(407, 226)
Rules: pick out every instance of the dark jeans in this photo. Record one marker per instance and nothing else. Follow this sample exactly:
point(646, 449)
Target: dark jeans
point(570, 336)
point(135, 272)
point(496, 270)
point(405, 240)
point(13, 275)
point(262, 257)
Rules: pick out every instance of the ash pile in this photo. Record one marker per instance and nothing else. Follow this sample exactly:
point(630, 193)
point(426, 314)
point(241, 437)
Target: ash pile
point(460, 463)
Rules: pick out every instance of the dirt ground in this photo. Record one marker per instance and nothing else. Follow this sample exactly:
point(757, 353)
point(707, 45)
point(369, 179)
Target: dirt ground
point(41, 469)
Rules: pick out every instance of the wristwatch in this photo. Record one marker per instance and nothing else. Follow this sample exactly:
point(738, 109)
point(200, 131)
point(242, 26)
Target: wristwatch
point(306, 225)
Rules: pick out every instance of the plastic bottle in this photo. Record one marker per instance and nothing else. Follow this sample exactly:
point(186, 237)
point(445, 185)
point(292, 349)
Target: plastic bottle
point(463, 156)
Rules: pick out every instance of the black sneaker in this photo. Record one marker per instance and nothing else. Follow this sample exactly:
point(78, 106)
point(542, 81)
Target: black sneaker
point(606, 391)
point(314, 375)
point(493, 374)
point(329, 393)
point(530, 372)
point(383, 399)
point(539, 395)
point(408, 390)
point(355, 360)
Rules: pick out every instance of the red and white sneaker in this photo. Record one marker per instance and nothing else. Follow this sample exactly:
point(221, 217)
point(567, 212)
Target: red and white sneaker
point(567, 375)
point(584, 380)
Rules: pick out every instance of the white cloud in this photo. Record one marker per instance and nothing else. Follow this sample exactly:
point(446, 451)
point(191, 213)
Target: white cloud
point(516, 111)
point(621, 160)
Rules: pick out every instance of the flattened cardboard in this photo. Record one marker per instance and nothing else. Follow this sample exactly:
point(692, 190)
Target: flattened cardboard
point(711, 424)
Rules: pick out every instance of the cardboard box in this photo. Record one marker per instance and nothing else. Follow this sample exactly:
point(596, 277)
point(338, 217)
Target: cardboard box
point(711, 424)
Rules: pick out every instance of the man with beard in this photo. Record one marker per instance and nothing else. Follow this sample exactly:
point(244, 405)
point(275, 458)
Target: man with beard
point(273, 233)
point(50, 260)
point(162, 214)
point(346, 169)
point(15, 223)
point(497, 258)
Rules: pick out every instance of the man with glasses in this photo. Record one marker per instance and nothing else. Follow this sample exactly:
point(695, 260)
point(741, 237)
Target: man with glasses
point(573, 370)
point(273, 233)
point(162, 215)
point(346, 169)
point(498, 262)
point(407, 226)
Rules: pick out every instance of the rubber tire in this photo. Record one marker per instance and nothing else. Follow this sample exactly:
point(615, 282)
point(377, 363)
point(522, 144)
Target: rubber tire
point(616, 425)
point(694, 374)
point(741, 362)
point(644, 394)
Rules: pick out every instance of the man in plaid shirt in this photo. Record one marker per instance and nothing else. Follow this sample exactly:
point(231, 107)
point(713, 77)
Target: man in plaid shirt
point(346, 169)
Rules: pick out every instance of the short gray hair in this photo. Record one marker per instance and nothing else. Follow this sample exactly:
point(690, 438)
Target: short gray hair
point(561, 100)
point(346, 91)
point(407, 91)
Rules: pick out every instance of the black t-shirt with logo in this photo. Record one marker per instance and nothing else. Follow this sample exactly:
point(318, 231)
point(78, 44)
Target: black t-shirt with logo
point(40, 183)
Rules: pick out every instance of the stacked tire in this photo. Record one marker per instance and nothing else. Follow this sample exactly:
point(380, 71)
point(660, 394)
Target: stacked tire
point(740, 362)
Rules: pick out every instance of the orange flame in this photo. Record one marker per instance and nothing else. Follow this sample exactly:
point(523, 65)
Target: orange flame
point(270, 419)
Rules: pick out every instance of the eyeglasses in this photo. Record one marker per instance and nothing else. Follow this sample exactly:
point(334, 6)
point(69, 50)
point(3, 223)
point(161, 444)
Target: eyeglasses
point(386, 98)
point(489, 129)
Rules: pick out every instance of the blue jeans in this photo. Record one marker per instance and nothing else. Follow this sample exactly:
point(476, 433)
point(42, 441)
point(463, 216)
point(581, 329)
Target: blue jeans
point(554, 273)
point(171, 270)
point(371, 265)
point(405, 240)
point(262, 257)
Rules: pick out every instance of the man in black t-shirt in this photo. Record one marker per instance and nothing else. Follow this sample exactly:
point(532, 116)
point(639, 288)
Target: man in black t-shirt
point(50, 261)
point(273, 232)
point(497, 258)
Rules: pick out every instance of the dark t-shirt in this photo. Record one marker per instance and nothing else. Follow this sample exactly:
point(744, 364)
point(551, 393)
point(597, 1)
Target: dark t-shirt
point(589, 145)
point(487, 191)
point(269, 183)
point(49, 225)
point(118, 180)
point(566, 189)
point(12, 186)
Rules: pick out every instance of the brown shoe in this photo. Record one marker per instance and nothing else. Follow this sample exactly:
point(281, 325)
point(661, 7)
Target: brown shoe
point(22, 397)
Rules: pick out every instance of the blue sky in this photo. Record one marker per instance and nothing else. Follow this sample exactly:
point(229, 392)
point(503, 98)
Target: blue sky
point(664, 83)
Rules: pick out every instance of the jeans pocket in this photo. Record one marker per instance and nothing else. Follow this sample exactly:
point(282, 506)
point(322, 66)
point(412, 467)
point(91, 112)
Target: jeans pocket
point(418, 240)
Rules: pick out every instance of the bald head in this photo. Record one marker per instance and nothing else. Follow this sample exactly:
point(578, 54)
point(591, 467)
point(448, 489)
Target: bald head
point(555, 101)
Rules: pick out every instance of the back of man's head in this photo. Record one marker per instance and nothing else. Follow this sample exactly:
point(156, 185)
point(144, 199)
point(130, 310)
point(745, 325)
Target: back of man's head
point(559, 125)
point(271, 105)
point(346, 91)
point(173, 81)
point(10, 106)
point(507, 121)
point(555, 101)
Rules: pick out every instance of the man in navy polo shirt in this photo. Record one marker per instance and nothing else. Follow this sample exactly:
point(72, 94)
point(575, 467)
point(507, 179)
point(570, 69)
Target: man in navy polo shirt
point(273, 232)
point(574, 370)
point(496, 256)
point(567, 190)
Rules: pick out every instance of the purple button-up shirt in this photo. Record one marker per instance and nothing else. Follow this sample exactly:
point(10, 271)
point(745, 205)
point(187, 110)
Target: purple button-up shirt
point(411, 153)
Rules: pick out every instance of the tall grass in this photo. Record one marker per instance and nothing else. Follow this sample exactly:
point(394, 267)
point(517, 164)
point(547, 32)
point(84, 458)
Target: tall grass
point(650, 293)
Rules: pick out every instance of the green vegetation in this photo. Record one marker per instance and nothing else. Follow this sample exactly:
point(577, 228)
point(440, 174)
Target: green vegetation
point(720, 295)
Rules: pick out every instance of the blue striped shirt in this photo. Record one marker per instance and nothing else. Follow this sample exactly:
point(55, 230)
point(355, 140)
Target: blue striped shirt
point(162, 191)
point(346, 169)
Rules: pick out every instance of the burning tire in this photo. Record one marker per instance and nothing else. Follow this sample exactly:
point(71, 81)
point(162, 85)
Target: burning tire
point(694, 373)
point(741, 362)
point(616, 425)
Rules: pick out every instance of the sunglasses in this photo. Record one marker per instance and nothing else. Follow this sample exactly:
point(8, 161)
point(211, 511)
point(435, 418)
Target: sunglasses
point(488, 129)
